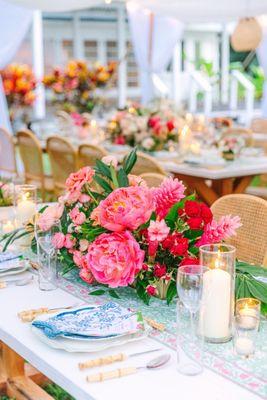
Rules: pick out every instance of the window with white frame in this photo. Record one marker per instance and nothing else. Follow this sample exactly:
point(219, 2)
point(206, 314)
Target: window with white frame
point(90, 50)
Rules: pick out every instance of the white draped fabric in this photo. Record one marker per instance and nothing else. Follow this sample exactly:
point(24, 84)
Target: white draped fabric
point(262, 57)
point(14, 23)
point(154, 38)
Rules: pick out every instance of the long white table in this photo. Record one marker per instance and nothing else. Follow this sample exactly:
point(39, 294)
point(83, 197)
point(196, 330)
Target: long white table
point(61, 367)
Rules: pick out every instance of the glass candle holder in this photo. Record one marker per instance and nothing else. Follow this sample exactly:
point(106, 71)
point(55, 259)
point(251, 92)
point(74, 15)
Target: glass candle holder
point(245, 333)
point(248, 307)
point(218, 291)
point(25, 201)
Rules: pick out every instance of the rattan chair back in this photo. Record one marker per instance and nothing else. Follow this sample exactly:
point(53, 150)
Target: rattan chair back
point(145, 164)
point(259, 125)
point(153, 179)
point(89, 153)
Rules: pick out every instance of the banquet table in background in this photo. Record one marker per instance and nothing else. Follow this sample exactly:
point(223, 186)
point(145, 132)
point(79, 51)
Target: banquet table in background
point(235, 177)
point(62, 367)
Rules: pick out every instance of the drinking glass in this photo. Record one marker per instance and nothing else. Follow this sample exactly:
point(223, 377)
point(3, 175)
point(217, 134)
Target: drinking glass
point(47, 254)
point(189, 288)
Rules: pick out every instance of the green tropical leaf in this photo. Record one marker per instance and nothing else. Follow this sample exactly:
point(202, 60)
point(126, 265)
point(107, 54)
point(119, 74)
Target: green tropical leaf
point(129, 161)
point(193, 234)
point(122, 178)
point(258, 289)
point(97, 292)
point(171, 292)
point(103, 169)
point(113, 293)
point(104, 184)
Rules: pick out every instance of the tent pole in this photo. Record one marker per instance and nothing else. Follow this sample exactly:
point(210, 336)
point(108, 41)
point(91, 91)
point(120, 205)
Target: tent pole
point(122, 72)
point(225, 57)
point(77, 45)
point(38, 63)
point(176, 74)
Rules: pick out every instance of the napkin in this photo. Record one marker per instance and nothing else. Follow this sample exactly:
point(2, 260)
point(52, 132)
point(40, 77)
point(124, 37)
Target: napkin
point(8, 256)
point(102, 321)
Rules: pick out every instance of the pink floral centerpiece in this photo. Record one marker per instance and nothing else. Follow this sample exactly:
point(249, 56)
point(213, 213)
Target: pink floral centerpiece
point(129, 234)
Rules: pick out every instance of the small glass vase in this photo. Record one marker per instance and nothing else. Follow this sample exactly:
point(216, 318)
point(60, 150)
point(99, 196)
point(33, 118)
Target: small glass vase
point(218, 292)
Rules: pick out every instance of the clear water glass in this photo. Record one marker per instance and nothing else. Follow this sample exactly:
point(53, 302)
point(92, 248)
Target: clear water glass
point(190, 341)
point(47, 254)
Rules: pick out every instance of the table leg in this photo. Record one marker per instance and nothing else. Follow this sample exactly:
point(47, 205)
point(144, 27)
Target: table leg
point(242, 183)
point(18, 385)
point(206, 192)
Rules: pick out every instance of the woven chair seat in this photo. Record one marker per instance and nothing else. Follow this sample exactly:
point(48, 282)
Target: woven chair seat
point(251, 238)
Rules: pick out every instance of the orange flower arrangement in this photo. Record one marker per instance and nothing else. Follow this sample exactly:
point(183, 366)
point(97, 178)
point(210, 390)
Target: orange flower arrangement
point(19, 84)
point(75, 83)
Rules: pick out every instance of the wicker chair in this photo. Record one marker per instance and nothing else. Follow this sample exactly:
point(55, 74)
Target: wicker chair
point(247, 134)
point(89, 153)
point(146, 164)
point(259, 125)
point(153, 179)
point(32, 158)
point(251, 238)
point(63, 159)
point(8, 165)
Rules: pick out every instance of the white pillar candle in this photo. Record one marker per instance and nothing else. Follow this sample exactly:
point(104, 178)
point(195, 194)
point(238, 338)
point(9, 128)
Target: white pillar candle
point(25, 210)
point(216, 304)
point(244, 346)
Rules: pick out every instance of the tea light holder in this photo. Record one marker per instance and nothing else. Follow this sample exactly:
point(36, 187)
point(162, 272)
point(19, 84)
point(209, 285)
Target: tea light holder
point(217, 310)
point(248, 307)
point(245, 332)
point(25, 202)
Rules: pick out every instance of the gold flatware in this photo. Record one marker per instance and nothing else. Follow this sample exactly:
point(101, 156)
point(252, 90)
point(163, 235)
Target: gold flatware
point(30, 315)
point(119, 373)
point(97, 362)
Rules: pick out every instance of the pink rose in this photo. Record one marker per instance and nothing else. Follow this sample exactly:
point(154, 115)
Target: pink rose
point(110, 160)
point(158, 230)
point(135, 180)
point(125, 208)
point(77, 216)
point(115, 258)
point(58, 240)
point(69, 241)
point(84, 198)
point(50, 215)
point(77, 180)
point(151, 290)
point(83, 244)
point(95, 216)
point(86, 275)
point(77, 258)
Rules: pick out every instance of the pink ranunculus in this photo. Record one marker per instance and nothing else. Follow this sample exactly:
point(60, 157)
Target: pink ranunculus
point(69, 241)
point(50, 215)
point(77, 258)
point(84, 198)
point(135, 180)
point(110, 160)
point(77, 180)
point(167, 194)
point(158, 230)
point(125, 208)
point(83, 244)
point(77, 217)
point(58, 240)
point(86, 275)
point(115, 258)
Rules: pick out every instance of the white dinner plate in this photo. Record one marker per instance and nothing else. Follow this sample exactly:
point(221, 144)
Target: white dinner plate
point(14, 271)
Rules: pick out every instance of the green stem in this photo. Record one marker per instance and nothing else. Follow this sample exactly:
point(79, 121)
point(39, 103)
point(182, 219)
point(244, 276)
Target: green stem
point(114, 176)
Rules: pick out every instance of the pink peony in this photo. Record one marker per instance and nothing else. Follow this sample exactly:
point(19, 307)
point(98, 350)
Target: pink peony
point(135, 180)
point(69, 241)
point(115, 258)
point(76, 180)
point(158, 230)
point(86, 275)
point(110, 160)
point(125, 208)
point(215, 232)
point(58, 240)
point(50, 215)
point(77, 216)
point(167, 194)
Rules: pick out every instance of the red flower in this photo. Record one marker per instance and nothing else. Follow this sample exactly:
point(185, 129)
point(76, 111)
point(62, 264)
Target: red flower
point(159, 270)
point(153, 121)
point(206, 213)
point(152, 248)
point(192, 208)
point(145, 267)
point(189, 261)
point(119, 140)
point(151, 290)
point(195, 223)
point(170, 125)
point(180, 212)
point(179, 247)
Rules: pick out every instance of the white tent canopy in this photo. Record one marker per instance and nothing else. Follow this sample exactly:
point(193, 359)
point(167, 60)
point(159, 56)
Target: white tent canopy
point(184, 10)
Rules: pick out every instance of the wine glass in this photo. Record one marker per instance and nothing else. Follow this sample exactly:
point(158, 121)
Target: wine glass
point(190, 288)
point(47, 253)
